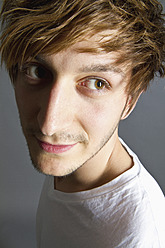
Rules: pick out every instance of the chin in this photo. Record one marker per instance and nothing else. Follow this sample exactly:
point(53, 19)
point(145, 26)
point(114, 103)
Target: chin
point(53, 169)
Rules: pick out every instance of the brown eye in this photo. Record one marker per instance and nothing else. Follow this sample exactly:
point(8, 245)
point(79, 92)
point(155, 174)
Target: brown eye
point(94, 84)
point(36, 72)
point(99, 84)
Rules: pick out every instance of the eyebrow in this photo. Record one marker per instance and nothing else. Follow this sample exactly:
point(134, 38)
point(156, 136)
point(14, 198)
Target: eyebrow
point(91, 68)
point(41, 59)
point(102, 68)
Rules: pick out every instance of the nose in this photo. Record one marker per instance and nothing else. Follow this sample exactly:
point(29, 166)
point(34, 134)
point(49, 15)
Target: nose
point(55, 110)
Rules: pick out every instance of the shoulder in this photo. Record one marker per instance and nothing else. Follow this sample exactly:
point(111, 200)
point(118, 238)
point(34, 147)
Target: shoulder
point(141, 205)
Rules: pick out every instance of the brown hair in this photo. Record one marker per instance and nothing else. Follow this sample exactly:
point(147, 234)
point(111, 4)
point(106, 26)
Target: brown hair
point(49, 26)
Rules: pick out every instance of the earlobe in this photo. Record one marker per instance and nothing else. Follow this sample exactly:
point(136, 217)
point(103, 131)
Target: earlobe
point(130, 105)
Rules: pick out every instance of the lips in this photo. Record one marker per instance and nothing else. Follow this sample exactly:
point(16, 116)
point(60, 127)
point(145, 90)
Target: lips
point(56, 149)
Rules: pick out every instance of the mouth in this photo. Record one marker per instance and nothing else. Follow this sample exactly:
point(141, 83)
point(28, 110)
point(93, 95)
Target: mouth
point(55, 149)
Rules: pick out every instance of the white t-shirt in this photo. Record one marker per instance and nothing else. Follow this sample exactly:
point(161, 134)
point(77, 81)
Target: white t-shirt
point(127, 212)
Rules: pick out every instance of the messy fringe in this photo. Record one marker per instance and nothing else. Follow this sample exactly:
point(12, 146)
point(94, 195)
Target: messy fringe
point(33, 27)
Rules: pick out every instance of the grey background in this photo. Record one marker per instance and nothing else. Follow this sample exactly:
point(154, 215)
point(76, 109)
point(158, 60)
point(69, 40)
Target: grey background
point(20, 184)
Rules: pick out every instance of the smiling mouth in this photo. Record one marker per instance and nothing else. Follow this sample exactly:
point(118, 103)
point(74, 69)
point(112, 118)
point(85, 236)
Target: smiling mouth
point(56, 149)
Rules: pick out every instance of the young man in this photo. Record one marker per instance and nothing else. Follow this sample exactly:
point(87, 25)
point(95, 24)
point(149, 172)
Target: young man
point(78, 68)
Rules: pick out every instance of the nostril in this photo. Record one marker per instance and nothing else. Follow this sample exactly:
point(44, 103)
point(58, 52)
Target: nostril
point(46, 123)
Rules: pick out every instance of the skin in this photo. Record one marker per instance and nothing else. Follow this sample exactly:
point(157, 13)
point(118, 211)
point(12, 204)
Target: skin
point(74, 99)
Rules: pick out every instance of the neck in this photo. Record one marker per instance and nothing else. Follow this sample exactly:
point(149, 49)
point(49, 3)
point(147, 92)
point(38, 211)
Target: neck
point(88, 177)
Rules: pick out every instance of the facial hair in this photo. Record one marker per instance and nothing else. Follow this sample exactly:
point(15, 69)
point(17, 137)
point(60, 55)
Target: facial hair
point(68, 137)
point(64, 137)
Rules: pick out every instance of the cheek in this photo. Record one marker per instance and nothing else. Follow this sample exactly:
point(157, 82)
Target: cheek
point(26, 103)
point(99, 118)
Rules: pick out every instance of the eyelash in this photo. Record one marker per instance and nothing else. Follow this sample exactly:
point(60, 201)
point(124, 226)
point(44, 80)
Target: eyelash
point(27, 70)
point(90, 85)
point(83, 87)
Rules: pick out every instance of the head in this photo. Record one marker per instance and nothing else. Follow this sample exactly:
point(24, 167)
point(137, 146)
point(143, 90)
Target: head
point(135, 28)
point(130, 33)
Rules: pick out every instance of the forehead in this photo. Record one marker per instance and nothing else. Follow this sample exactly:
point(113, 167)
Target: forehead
point(88, 50)
point(83, 55)
point(75, 63)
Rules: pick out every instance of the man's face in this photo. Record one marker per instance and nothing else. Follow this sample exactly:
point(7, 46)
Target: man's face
point(70, 104)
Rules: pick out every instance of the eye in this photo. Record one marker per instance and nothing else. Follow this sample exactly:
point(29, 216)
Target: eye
point(35, 73)
point(94, 84)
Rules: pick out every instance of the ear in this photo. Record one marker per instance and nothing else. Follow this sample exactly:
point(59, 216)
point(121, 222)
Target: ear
point(130, 105)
